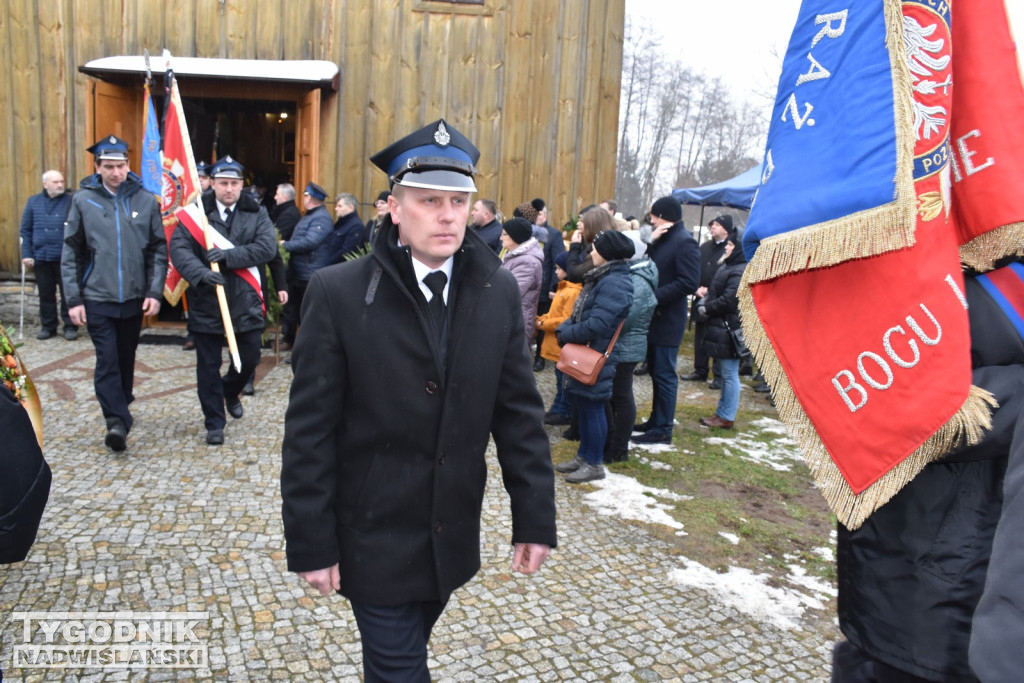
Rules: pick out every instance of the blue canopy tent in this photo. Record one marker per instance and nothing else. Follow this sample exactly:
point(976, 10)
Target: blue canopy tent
point(736, 193)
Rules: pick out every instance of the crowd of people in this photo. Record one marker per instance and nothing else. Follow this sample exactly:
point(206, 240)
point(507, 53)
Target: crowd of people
point(385, 511)
point(480, 287)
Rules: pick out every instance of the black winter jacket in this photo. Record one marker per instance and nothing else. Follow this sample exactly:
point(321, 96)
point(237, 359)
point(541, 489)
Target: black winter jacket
point(722, 307)
point(678, 259)
point(255, 245)
point(911, 577)
point(383, 456)
point(24, 480)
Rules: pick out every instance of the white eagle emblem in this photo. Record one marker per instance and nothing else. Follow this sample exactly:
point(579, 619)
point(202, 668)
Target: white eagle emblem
point(923, 59)
point(441, 135)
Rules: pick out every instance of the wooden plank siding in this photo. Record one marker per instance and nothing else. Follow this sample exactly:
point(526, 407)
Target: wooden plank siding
point(534, 83)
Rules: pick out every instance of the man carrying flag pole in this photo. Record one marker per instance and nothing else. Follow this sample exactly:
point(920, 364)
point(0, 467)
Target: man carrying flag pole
point(181, 196)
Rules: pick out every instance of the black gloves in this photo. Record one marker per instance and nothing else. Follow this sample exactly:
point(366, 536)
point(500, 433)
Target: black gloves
point(212, 278)
point(214, 255)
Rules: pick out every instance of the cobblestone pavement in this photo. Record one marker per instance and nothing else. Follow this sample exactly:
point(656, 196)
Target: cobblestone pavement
point(173, 524)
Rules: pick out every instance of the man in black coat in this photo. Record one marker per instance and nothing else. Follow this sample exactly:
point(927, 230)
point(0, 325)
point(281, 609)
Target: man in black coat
point(244, 242)
point(407, 361)
point(677, 256)
point(711, 251)
point(486, 223)
point(286, 214)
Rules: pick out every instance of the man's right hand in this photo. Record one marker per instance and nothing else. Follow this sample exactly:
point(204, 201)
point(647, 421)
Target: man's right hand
point(324, 580)
point(29, 262)
point(77, 315)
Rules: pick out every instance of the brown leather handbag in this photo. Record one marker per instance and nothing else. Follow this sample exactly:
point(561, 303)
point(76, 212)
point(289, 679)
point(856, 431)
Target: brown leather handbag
point(583, 363)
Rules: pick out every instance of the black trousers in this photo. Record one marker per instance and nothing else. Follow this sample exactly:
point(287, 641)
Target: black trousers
point(291, 316)
point(701, 362)
point(114, 330)
point(394, 639)
point(48, 280)
point(850, 664)
point(543, 306)
point(623, 414)
point(210, 386)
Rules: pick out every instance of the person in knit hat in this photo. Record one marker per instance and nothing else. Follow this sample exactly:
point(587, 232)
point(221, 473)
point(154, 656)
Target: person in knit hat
point(603, 304)
point(551, 242)
point(524, 258)
point(562, 302)
point(677, 256)
point(711, 253)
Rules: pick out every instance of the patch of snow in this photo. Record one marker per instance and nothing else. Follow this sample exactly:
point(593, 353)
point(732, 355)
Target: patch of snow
point(826, 554)
point(749, 593)
point(732, 538)
point(779, 453)
point(625, 497)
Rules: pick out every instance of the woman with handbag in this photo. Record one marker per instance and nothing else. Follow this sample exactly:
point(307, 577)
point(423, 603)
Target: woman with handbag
point(719, 310)
point(600, 310)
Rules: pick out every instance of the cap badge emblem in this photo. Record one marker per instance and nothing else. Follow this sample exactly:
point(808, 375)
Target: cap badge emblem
point(113, 140)
point(229, 159)
point(441, 135)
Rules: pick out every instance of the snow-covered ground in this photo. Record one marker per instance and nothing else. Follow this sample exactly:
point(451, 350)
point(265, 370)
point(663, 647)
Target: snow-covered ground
point(743, 589)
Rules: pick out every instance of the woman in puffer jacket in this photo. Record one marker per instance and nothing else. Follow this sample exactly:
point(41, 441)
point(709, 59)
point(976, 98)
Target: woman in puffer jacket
point(524, 258)
point(720, 310)
point(603, 303)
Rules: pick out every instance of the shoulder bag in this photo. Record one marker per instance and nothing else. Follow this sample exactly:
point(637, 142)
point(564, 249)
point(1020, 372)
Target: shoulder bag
point(583, 363)
point(738, 341)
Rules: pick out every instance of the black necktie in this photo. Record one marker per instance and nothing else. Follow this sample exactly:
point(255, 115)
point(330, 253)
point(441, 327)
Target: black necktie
point(435, 282)
point(227, 216)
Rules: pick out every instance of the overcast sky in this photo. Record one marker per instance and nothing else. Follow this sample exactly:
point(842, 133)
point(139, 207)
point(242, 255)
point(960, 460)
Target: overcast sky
point(743, 41)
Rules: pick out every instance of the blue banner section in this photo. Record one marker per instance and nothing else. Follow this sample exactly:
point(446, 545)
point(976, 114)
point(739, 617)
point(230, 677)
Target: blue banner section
point(152, 168)
point(832, 143)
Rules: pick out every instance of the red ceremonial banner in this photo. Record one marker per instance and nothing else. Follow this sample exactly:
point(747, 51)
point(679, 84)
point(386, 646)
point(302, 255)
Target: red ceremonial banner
point(869, 357)
point(987, 138)
point(180, 182)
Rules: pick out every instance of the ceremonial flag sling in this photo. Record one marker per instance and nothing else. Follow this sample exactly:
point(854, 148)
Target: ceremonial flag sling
point(182, 199)
point(853, 297)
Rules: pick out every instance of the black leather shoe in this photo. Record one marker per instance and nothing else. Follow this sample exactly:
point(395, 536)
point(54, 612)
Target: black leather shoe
point(248, 389)
point(642, 427)
point(571, 434)
point(716, 384)
point(556, 419)
point(70, 333)
point(538, 365)
point(234, 406)
point(215, 437)
point(117, 437)
point(45, 334)
point(640, 369)
point(694, 377)
point(762, 388)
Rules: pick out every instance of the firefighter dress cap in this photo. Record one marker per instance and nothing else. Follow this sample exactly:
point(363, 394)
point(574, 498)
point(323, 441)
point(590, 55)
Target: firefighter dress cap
point(316, 192)
point(226, 167)
point(435, 157)
point(110, 147)
point(203, 169)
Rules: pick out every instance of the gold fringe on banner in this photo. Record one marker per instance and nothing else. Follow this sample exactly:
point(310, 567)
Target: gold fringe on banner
point(965, 427)
point(866, 233)
point(174, 295)
point(983, 251)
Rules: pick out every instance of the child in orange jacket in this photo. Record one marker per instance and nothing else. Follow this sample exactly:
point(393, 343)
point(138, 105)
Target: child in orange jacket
point(561, 308)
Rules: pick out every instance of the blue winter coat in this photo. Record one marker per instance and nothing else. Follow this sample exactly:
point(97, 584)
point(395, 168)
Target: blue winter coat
point(348, 235)
point(678, 259)
point(42, 226)
point(604, 302)
point(307, 244)
point(632, 344)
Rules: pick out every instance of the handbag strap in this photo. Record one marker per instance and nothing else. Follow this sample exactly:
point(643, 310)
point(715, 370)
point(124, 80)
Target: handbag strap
point(611, 344)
